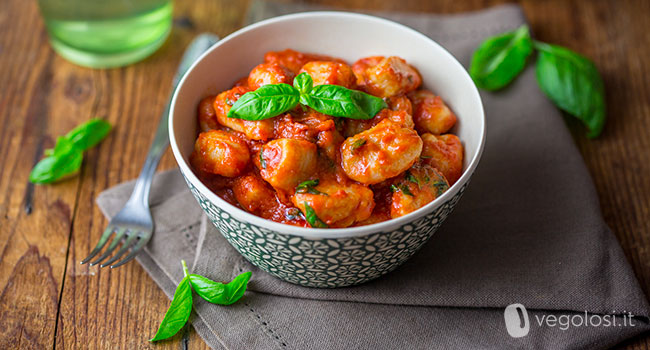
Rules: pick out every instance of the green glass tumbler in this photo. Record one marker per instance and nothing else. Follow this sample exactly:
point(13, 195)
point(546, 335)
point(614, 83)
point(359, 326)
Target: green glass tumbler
point(106, 33)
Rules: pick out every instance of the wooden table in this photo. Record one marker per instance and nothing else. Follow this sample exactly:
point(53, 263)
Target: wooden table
point(49, 300)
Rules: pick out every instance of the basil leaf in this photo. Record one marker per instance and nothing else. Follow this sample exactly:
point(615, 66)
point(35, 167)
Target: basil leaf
point(338, 101)
point(304, 83)
point(266, 102)
point(308, 187)
point(401, 187)
point(89, 133)
point(499, 59)
point(66, 156)
point(64, 160)
point(409, 177)
point(358, 143)
point(262, 160)
point(86, 135)
point(236, 288)
point(573, 83)
point(312, 218)
point(441, 186)
point(219, 293)
point(178, 312)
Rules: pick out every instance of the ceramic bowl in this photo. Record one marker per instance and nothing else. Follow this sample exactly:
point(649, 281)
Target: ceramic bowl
point(326, 258)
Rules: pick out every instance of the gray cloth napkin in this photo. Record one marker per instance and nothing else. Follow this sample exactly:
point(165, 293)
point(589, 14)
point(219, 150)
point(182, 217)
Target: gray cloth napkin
point(528, 230)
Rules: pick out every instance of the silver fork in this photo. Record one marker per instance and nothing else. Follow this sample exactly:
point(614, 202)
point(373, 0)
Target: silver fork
point(133, 224)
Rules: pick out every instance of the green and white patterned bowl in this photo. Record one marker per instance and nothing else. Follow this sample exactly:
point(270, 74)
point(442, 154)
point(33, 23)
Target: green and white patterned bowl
point(326, 258)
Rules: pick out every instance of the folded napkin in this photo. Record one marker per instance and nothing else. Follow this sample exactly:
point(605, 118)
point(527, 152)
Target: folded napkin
point(528, 230)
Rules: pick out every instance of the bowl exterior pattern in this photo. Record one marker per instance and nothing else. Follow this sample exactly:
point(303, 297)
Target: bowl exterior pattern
point(326, 262)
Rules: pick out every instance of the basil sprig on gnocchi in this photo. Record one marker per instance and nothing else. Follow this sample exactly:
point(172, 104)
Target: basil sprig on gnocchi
point(271, 100)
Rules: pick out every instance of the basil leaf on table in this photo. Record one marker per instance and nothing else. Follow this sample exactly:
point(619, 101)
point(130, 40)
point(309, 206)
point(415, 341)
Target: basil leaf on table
point(178, 313)
point(339, 101)
point(266, 102)
point(86, 135)
point(219, 293)
point(89, 133)
point(499, 59)
point(64, 160)
point(573, 83)
point(66, 156)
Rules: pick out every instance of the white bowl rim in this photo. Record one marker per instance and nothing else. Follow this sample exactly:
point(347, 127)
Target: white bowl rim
point(326, 233)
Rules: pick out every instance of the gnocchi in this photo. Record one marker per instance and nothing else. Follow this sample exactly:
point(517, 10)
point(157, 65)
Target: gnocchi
point(338, 205)
point(418, 186)
point(219, 152)
point(431, 114)
point(334, 73)
point(284, 163)
point(381, 152)
point(386, 76)
point(445, 153)
point(305, 168)
point(254, 130)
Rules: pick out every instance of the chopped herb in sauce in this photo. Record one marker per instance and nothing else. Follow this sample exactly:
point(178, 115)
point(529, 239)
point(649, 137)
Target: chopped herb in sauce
point(312, 218)
point(441, 186)
point(358, 143)
point(401, 187)
point(262, 160)
point(308, 187)
point(412, 178)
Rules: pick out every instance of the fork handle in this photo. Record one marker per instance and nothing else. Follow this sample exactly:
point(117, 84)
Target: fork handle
point(160, 142)
point(157, 149)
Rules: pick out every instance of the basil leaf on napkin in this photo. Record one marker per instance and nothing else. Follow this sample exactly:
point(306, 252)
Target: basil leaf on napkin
point(178, 313)
point(573, 83)
point(219, 293)
point(569, 79)
point(214, 292)
point(339, 101)
point(65, 159)
point(265, 102)
point(499, 59)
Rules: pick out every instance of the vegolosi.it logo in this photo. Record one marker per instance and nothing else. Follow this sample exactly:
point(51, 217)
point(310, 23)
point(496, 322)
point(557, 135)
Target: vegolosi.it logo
point(517, 322)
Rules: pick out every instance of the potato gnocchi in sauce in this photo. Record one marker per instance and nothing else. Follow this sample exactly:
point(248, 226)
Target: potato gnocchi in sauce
point(309, 169)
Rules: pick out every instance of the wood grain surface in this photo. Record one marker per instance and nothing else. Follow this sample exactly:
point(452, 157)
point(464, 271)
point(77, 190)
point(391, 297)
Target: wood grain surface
point(48, 300)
